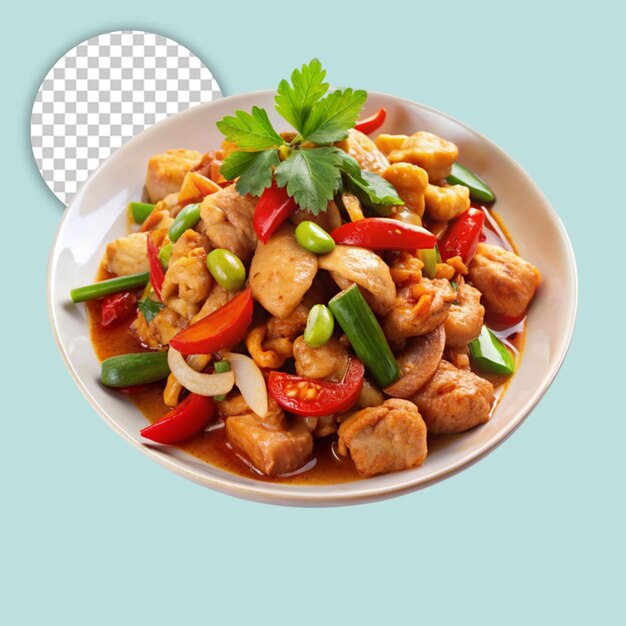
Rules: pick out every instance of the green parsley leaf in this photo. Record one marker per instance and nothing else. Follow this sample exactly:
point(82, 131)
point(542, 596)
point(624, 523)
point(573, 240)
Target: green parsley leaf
point(332, 117)
point(312, 176)
point(373, 191)
point(294, 101)
point(253, 168)
point(250, 131)
point(149, 308)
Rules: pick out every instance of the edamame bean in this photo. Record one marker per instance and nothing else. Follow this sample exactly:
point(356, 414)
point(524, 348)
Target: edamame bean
point(226, 268)
point(314, 238)
point(187, 218)
point(319, 326)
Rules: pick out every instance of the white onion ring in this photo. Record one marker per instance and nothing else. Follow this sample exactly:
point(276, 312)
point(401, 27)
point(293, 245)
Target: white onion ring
point(249, 379)
point(196, 382)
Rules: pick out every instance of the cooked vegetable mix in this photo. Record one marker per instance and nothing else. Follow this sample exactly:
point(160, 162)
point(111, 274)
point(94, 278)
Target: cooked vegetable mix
point(221, 312)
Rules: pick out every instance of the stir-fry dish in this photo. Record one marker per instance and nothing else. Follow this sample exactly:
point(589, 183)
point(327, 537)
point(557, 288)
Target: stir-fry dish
point(322, 297)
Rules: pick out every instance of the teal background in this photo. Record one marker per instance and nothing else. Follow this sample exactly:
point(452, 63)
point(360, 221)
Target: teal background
point(95, 533)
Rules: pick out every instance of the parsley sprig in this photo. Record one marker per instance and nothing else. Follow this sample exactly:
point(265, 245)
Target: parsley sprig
point(310, 167)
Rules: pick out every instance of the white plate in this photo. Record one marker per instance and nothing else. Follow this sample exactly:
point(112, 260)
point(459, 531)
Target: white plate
point(98, 215)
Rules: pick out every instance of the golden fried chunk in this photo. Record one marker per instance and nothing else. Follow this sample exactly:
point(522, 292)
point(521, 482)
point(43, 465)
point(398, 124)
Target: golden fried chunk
point(410, 182)
point(446, 202)
point(454, 400)
point(465, 317)
point(386, 143)
point(507, 282)
point(187, 283)
point(364, 150)
point(167, 170)
point(128, 255)
point(386, 438)
point(328, 361)
point(434, 154)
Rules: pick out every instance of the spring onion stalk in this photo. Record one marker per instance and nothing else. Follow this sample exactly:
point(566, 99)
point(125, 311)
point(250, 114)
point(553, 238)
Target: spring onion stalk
point(220, 368)
point(140, 211)
point(140, 368)
point(490, 354)
point(478, 188)
point(107, 287)
point(365, 334)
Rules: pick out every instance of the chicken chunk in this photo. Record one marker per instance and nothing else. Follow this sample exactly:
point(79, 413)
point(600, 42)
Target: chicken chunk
point(465, 317)
point(364, 150)
point(128, 255)
point(166, 172)
point(187, 242)
point(165, 324)
point(328, 361)
point(289, 327)
point(446, 202)
point(328, 220)
point(217, 299)
point(419, 309)
point(507, 282)
point(351, 264)
point(386, 438)
point(418, 362)
point(282, 272)
point(434, 154)
point(226, 220)
point(410, 182)
point(387, 143)
point(187, 283)
point(272, 450)
point(454, 400)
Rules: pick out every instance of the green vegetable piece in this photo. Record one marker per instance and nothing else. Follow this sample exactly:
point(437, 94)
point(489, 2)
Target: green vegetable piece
point(478, 188)
point(221, 367)
point(149, 308)
point(185, 220)
point(140, 368)
point(429, 257)
point(314, 238)
point(373, 191)
point(319, 326)
point(226, 268)
point(490, 354)
point(365, 334)
point(164, 255)
point(140, 211)
point(107, 287)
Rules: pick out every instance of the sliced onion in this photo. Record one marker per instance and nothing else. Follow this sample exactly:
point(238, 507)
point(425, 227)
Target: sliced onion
point(196, 382)
point(249, 379)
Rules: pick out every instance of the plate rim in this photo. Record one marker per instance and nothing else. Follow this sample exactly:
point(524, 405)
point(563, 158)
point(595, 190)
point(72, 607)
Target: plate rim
point(305, 495)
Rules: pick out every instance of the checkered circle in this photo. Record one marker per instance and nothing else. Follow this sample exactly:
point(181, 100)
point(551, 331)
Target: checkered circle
point(105, 91)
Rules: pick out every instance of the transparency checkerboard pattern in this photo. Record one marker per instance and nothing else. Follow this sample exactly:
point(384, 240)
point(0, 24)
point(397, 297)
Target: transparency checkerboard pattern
point(105, 91)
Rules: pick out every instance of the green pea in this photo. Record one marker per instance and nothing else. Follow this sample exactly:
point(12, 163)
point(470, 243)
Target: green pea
point(186, 219)
point(314, 238)
point(319, 326)
point(226, 268)
point(164, 255)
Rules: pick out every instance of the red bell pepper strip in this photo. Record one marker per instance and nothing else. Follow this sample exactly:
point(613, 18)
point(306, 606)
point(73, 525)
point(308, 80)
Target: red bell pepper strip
point(189, 418)
point(310, 397)
point(462, 237)
point(374, 122)
point(272, 209)
point(220, 329)
point(380, 233)
point(157, 275)
point(117, 307)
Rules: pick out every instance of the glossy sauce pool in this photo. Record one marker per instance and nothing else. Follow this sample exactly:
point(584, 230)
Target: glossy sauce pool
point(325, 466)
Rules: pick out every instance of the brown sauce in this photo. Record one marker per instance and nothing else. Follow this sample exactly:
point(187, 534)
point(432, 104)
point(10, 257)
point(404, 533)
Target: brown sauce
point(326, 465)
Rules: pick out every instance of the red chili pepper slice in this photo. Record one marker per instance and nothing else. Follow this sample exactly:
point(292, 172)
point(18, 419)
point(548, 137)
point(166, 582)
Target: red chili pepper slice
point(157, 275)
point(189, 418)
point(310, 397)
point(380, 233)
point(461, 238)
point(374, 122)
point(220, 329)
point(272, 209)
point(117, 307)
